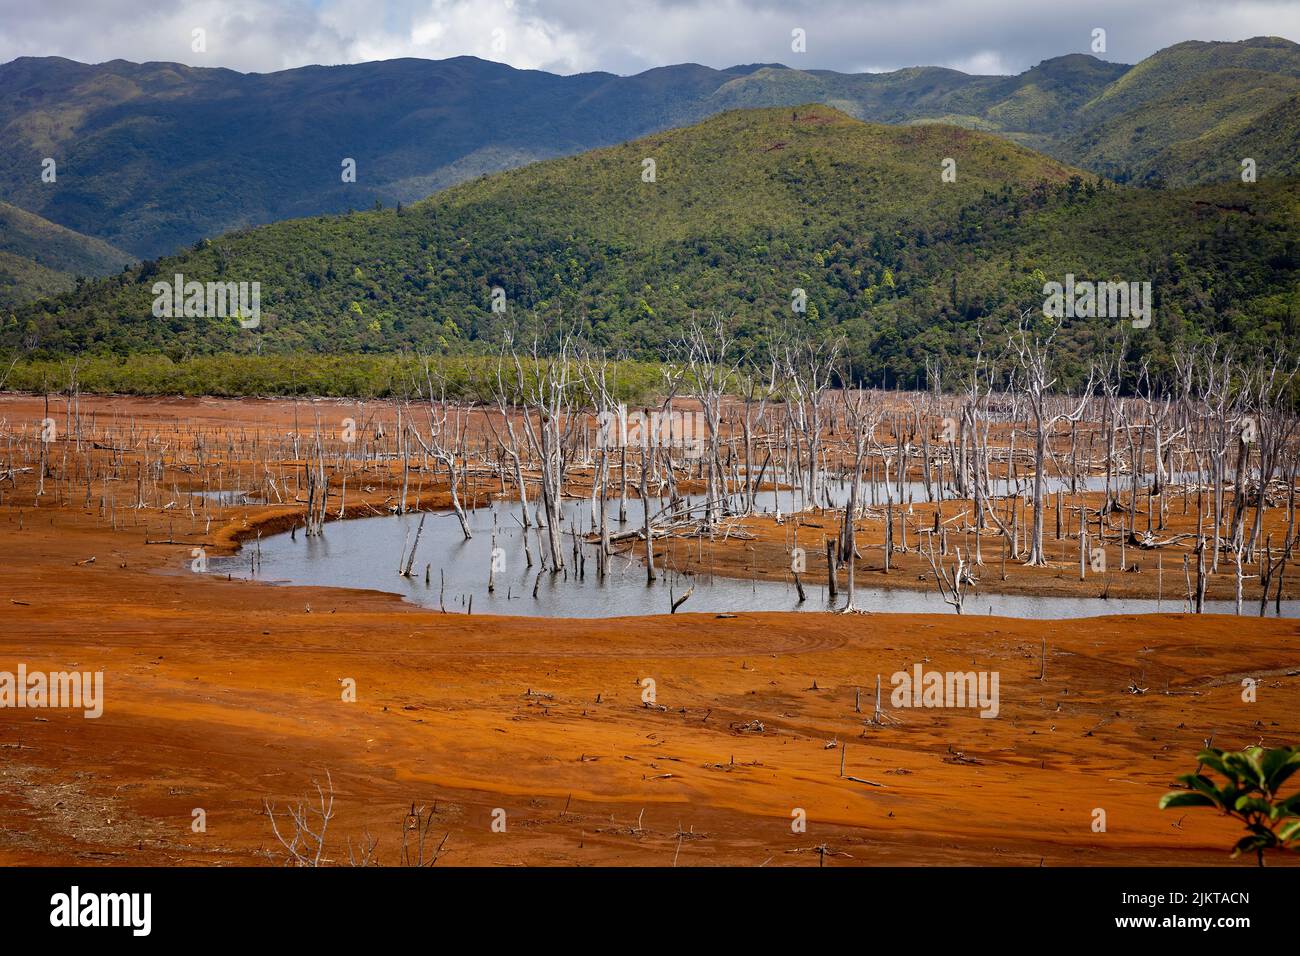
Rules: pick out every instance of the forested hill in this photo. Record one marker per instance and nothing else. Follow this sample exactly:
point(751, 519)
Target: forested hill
point(154, 156)
point(744, 208)
point(40, 258)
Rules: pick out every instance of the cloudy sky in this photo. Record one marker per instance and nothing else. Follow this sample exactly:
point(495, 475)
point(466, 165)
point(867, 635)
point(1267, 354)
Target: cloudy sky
point(627, 36)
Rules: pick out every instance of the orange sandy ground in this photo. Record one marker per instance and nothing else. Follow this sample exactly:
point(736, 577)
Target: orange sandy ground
point(222, 694)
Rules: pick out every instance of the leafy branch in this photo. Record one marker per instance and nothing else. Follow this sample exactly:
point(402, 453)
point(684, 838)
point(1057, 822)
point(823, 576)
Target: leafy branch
point(1254, 776)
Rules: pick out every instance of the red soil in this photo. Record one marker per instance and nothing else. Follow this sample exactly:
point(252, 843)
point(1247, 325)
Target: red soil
point(222, 694)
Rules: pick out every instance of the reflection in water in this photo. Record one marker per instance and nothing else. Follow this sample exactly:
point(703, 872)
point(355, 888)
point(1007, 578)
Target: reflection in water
point(370, 552)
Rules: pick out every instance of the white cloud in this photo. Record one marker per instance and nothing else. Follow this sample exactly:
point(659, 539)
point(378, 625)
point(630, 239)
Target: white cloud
point(986, 62)
point(566, 36)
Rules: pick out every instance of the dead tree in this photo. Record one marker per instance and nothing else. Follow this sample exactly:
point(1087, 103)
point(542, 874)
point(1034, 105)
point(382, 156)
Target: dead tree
point(1036, 379)
point(446, 445)
point(712, 363)
point(544, 390)
point(810, 368)
point(303, 838)
point(861, 416)
point(952, 586)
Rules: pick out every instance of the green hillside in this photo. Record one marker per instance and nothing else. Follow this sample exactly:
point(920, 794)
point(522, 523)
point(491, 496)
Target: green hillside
point(146, 160)
point(1162, 74)
point(1271, 138)
point(1179, 116)
point(22, 280)
point(746, 206)
point(39, 258)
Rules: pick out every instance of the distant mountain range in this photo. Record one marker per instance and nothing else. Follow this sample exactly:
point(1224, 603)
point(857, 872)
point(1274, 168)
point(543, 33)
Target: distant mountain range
point(151, 157)
point(744, 208)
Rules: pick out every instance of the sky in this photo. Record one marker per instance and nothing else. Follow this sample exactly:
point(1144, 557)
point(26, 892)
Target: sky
point(628, 36)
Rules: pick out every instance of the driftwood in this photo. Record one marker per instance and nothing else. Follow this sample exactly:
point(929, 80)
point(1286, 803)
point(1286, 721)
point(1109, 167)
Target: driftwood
point(1148, 541)
point(682, 600)
point(869, 783)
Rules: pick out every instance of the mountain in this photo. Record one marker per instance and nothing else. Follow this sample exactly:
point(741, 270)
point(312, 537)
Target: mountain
point(1192, 112)
point(1271, 138)
point(743, 209)
point(39, 258)
point(1031, 108)
point(155, 156)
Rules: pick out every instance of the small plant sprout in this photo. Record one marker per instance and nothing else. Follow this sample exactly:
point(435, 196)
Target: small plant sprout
point(1251, 794)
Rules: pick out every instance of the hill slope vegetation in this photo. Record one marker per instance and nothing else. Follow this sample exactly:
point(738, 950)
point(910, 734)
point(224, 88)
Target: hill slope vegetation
point(155, 156)
point(39, 258)
point(743, 209)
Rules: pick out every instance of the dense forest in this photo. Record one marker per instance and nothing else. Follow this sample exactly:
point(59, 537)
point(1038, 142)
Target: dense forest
point(743, 210)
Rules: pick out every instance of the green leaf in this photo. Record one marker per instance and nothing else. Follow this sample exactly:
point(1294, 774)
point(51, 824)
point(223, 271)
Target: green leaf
point(1203, 785)
point(1278, 765)
point(1246, 765)
point(1214, 760)
point(1252, 804)
point(1289, 831)
point(1290, 806)
point(1228, 794)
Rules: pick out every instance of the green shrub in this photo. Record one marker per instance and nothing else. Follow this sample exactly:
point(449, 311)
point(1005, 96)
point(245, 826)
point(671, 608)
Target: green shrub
point(1254, 776)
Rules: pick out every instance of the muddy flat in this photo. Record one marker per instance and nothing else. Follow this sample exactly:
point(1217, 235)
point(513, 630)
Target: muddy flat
point(224, 696)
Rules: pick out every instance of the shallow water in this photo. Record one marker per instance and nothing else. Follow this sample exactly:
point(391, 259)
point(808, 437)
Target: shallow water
point(368, 553)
